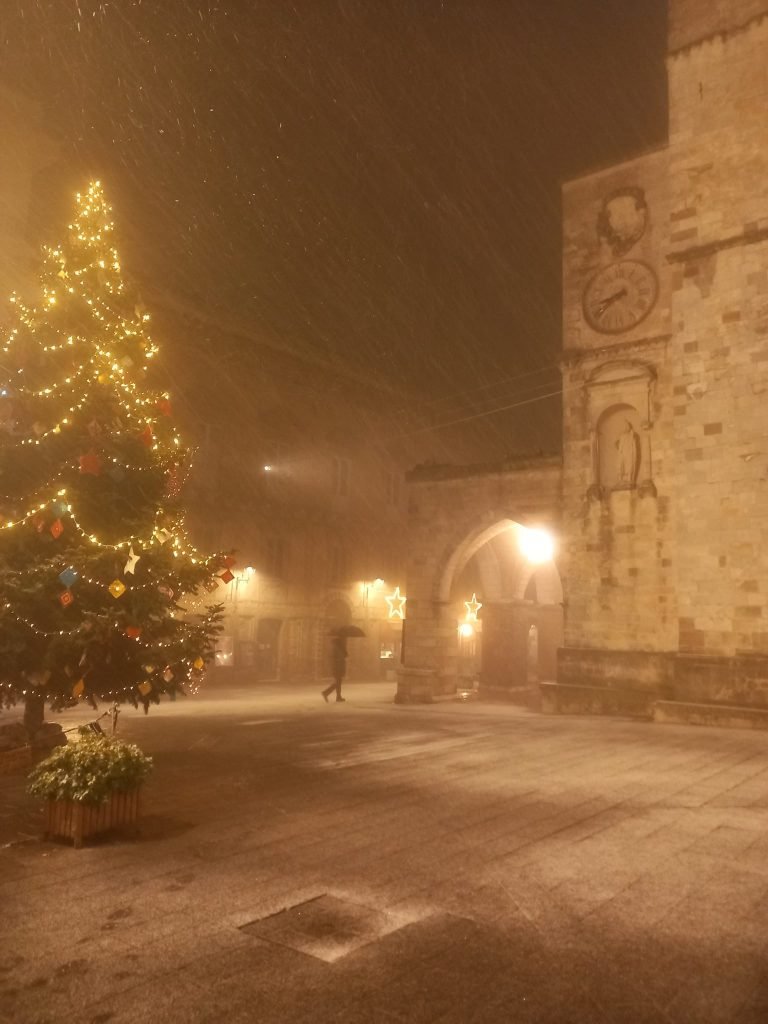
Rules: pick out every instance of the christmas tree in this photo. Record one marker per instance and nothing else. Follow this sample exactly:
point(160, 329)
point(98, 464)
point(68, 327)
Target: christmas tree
point(94, 557)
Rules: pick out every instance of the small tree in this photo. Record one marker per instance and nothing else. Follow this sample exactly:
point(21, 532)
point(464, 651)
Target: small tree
point(93, 553)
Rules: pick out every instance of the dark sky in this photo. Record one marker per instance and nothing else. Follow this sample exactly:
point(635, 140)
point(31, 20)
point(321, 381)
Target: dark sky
point(369, 181)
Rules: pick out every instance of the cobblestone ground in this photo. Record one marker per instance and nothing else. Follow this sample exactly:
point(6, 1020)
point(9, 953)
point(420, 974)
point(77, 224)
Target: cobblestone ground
point(489, 864)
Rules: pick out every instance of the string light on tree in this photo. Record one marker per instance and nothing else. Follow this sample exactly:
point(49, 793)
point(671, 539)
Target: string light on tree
point(93, 465)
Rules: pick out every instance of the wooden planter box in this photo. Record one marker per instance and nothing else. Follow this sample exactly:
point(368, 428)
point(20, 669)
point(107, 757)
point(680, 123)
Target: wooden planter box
point(15, 761)
point(71, 819)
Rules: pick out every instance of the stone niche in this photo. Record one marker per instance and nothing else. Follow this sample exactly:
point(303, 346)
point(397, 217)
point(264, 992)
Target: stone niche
point(619, 403)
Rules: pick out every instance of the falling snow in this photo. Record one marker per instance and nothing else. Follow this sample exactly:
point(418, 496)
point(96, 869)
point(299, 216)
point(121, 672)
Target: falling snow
point(371, 183)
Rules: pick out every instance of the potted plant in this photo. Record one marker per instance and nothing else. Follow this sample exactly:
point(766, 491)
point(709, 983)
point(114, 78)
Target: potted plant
point(90, 786)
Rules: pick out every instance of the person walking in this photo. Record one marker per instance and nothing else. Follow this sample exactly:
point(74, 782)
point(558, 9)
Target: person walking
point(338, 667)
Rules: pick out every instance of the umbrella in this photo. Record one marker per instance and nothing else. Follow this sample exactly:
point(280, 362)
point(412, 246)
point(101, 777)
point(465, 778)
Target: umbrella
point(347, 631)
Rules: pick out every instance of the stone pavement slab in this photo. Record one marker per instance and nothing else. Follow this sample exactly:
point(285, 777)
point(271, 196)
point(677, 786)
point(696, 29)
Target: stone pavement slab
point(511, 867)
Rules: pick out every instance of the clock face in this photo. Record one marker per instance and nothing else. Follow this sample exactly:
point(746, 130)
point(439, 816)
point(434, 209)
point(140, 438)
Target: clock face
point(619, 296)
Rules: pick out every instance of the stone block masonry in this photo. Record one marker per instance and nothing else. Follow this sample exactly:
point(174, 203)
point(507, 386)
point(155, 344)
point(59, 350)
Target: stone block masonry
point(670, 568)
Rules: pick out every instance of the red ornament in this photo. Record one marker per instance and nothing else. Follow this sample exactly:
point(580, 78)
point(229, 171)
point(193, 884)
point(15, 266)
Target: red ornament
point(227, 576)
point(66, 597)
point(134, 632)
point(39, 523)
point(57, 528)
point(164, 407)
point(91, 463)
point(147, 436)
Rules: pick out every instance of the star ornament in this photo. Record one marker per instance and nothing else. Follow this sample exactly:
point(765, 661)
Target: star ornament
point(130, 565)
point(473, 607)
point(395, 604)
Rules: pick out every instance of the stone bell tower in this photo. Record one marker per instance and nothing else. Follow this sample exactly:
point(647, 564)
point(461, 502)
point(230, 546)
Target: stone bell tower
point(718, 256)
point(665, 367)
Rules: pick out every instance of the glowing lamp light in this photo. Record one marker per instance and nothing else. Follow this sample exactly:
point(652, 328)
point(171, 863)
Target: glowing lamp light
point(466, 630)
point(537, 546)
point(267, 469)
point(249, 571)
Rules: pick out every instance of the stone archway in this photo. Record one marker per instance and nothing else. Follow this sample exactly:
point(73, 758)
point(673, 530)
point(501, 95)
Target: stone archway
point(520, 626)
point(463, 538)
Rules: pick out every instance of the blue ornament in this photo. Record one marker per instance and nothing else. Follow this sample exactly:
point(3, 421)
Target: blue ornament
point(68, 577)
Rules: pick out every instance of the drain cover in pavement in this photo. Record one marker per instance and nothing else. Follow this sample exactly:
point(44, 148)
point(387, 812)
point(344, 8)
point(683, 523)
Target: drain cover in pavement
point(325, 927)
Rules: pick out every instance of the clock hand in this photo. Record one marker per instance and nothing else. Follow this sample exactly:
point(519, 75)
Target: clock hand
point(601, 307)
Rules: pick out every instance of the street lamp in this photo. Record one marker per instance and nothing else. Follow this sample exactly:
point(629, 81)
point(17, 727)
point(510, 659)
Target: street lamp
point(537, 546)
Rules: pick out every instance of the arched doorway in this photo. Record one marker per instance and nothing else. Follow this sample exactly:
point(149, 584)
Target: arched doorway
point(465, 528)
point(513, 645)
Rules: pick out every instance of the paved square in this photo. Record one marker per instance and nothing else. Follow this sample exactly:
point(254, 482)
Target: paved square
point(533, 869)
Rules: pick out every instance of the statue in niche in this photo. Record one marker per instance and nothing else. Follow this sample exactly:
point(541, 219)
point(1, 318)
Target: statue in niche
point(618, 455)
point(628, 447)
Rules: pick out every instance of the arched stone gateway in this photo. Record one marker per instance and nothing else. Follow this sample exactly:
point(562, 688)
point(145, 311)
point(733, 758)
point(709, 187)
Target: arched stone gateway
point(466, 529)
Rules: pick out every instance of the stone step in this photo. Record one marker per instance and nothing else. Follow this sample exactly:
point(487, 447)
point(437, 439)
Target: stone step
point(725, 716)
point(574, 699)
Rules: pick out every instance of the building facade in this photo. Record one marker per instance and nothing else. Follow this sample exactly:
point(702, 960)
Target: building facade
point(301, 475)
point(663, 520)
point(664, 370)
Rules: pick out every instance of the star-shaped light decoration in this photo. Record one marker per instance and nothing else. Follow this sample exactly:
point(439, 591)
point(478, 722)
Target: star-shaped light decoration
point(395, 604)
point(473, 607)
point(130, 565)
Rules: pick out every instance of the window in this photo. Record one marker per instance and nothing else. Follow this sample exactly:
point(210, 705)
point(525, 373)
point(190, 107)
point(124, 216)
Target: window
point(341, 473)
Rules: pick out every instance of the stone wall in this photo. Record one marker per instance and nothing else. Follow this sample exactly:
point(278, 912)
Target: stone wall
point(666, 574)
point(618, 531)
point(453, 513)
point(719, 252)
